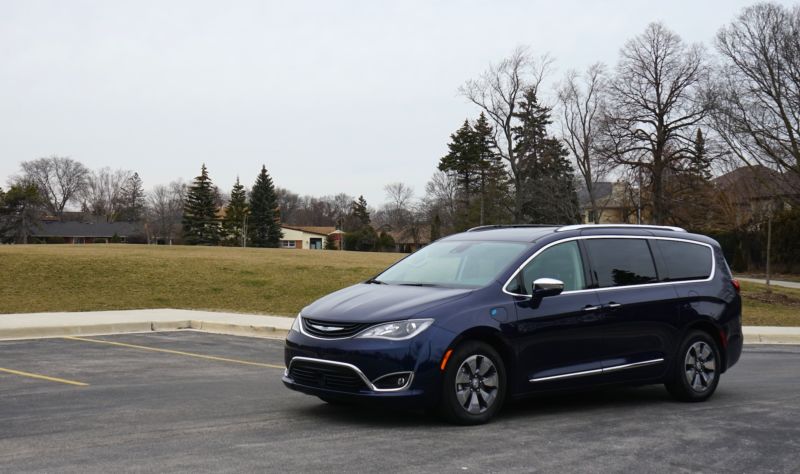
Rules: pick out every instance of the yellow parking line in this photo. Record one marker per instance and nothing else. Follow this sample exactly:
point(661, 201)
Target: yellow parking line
point(44, 377)
point(170, 351)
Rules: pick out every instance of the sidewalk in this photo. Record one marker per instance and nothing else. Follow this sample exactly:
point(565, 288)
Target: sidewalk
point(785, 284)
point(35, 325)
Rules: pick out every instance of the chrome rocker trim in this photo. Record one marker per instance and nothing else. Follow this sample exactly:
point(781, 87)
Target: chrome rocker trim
point(604, 370)
point(358, 372)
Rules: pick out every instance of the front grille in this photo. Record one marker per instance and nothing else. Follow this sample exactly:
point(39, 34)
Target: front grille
point(334, 329)
point(334, 377)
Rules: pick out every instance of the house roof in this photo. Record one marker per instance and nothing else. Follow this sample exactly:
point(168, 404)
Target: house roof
point(601, 189)
point(319, 230)
point(758, 182)
point(84, 229)
point(406, 235)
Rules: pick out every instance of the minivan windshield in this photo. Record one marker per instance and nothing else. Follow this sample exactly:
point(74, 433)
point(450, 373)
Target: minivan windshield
point(459, 264)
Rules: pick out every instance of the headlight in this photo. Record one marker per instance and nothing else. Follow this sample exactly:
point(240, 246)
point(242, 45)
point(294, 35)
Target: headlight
point(296, 324)
point(397, 330)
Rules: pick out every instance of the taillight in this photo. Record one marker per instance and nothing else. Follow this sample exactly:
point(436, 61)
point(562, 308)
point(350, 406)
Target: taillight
point(736, 285)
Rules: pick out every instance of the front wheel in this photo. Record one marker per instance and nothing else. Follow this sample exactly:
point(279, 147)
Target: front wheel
point(474, 384)
point(696, 373)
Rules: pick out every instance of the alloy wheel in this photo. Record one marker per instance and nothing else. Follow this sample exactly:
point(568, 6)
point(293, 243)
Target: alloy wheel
point(476, 384)
point(700, 366)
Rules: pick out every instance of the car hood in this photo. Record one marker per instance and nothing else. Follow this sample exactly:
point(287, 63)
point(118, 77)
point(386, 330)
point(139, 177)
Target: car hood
point(377, 303)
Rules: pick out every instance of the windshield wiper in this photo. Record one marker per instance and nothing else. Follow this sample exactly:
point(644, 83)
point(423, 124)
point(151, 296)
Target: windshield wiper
point(418, 284)
point(375, 282)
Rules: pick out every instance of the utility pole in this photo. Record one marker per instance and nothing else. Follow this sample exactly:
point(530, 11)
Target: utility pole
point(244, 231)
point(769, 245)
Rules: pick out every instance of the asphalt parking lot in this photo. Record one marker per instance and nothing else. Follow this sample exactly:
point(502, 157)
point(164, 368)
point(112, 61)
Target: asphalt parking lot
point(188, 401)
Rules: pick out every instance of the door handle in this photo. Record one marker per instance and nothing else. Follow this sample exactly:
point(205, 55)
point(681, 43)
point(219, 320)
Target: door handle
point(613, 305)
point(588, 309)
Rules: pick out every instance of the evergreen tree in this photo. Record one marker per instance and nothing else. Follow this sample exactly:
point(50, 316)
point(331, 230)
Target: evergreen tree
point(235, 214)
point(551, 185)
point(200, 223)
point(360, 211)
point(493, 177)
point(132, 199)
point(462, 160)
point(481, 177)
point(548, 179)
point(20, 209)
point(263, 225)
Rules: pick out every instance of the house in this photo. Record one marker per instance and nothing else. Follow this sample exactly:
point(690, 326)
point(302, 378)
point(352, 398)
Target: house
point(614, 200)
point(410, 239)
point(75, 232)
point(749, 192)
point(309, 237)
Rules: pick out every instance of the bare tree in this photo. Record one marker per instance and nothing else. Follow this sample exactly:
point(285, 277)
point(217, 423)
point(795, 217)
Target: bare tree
point(102, 194)
point(496, 92)
point(758, 106)
point(60, 180)
point(165, 209)
point(441, 198)
point(582, 99)
point(655, 105)
point(399, 204)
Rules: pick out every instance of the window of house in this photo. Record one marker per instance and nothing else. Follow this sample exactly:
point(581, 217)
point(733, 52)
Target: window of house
point(288, 244)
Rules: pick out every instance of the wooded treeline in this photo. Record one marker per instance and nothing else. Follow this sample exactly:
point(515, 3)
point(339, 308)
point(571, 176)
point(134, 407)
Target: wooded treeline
point(664, 120)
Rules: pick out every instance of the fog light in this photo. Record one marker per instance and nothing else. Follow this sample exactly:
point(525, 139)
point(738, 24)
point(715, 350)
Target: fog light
point(392, 381)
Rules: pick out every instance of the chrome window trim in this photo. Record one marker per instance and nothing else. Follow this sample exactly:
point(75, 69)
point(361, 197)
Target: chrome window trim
point(603, 370)
point(358, 372)
point(587, 237)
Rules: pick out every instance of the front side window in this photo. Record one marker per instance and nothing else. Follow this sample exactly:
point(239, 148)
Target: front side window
point(459, 264)
point(562, 262)
point(621, 262)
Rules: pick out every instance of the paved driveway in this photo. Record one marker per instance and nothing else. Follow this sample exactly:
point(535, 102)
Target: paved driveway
point(187, 401)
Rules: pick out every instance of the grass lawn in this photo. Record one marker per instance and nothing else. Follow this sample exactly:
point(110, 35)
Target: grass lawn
point(779, 308)
point(38, 278)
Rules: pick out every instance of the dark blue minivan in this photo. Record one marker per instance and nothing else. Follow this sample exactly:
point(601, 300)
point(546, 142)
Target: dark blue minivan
point(509, 311)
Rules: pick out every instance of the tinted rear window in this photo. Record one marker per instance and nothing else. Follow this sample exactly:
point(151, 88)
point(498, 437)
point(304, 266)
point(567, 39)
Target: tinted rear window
point(621, 262)
point(685, 261)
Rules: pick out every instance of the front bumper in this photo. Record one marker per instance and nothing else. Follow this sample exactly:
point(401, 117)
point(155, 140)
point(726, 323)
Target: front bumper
point(353, 368)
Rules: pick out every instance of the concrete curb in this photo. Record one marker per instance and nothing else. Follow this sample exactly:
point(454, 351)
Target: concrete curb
point(771, 335)
point(43, 325)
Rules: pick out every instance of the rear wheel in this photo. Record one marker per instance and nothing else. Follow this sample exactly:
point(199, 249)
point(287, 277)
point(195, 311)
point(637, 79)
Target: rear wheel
point(697, 368)
point(474, 384)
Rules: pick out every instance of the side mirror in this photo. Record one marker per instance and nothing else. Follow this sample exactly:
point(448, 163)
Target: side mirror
point(543, 287)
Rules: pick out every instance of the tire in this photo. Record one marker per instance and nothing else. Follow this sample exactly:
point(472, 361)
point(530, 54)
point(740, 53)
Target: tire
point(474, 384)
point(696, 372)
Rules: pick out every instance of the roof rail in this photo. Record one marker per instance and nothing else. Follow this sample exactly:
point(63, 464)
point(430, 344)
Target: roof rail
point(620, 226)
point(506, 226)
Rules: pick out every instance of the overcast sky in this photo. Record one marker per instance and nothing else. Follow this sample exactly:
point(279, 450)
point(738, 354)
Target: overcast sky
point(332, 96)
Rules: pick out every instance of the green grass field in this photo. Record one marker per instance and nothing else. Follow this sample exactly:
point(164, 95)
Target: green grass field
point(38, 278)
